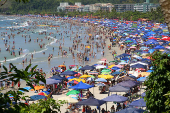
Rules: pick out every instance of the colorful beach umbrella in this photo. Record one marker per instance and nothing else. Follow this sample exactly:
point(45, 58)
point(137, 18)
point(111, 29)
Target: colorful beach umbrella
point(105, 76)
point(73, 92)
point(42, 93)
point(78, 80)
point(85, 76)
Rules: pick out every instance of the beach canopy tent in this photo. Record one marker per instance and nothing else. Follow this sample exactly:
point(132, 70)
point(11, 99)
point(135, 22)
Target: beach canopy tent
point(131, 110)
point(87, 67)
point(128, 83)
point(101, 80)
point(81, 85)
point(91, 102)
point(138, 66)
point(115, 98)
point(37, 97)
point(119, 88)
point(57, 77)
point(128, 78)
point(50, 81)
point(138, 103)
point(69, 73)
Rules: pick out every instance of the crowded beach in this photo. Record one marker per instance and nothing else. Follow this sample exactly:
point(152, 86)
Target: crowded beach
point(112, 84)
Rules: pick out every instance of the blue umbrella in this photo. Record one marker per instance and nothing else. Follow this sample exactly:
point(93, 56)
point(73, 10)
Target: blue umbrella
point(81, 85)
point(143, 94)
point(100, 84)
point(116, 73)
point(69, 73)
point(141, 79)
point(91, 102)
point(50, 81)
point(151, 51)
point(124, 58)
point(138, 51)
point(37, 97)
point(115, 98)
point(138, 103)
point(71, 77)
point(149, 71)
point(138, 66)
point(101, 80)
point(46, 92)
point(119, 88)
point(124, 54)
point(159, 47)
point(131, 110)
point(115, 68)
point(57, 77)
point(87, 67)
point(128, 83)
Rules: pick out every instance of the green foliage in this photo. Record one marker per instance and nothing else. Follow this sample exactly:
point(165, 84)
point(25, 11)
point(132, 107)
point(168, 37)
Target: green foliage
point(167, 102)
point(158, 84)
point(50, 6)
point(43, 106)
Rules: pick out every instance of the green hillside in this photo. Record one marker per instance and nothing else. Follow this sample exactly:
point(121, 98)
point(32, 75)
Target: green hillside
point(47, 6)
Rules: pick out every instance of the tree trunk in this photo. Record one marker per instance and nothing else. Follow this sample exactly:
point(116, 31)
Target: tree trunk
point(165, 6)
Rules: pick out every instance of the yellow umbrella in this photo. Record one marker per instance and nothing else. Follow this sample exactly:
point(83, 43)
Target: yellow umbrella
point(105, 76)
point(78, 80)
point(37, 88)
point(68, 99)
point(111, 66)
point(144, 74)
point(88, 47)
point(85, 76)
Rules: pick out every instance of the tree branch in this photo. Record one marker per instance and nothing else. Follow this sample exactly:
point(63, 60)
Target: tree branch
point(3, 3)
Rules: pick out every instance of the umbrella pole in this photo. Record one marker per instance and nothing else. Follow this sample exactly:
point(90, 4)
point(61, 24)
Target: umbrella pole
point(93, 90)
point(106, 106)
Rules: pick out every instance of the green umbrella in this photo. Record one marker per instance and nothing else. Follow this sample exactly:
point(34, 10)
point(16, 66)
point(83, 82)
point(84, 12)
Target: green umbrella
point(92, 76)
point(114, 61)
point(128, 41)
point(68, 70)
point(73, 92)
point(106, 71)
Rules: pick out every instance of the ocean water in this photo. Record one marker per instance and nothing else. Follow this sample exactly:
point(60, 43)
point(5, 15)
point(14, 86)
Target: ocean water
point(20, 25)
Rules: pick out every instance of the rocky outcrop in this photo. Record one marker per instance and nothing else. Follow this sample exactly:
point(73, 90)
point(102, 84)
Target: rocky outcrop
point(165, 6)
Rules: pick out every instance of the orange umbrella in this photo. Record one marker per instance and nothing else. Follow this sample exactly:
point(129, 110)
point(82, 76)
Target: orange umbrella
point(38, 88)
point(61, 66)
